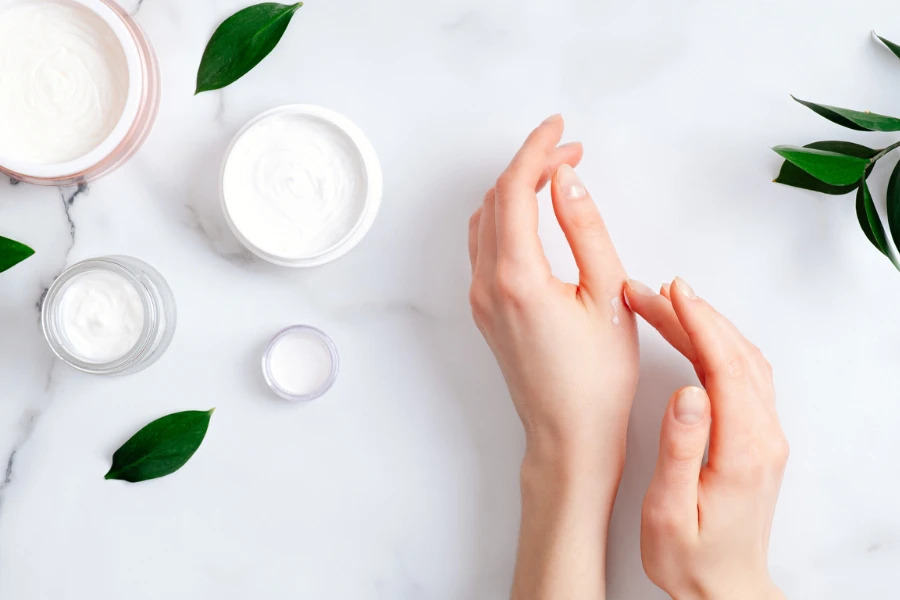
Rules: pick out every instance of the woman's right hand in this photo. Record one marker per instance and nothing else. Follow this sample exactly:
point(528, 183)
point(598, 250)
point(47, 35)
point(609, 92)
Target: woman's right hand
point(705, 528)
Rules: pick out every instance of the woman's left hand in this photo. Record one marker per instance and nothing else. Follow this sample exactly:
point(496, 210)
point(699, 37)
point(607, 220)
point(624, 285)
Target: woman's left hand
point(569, 353)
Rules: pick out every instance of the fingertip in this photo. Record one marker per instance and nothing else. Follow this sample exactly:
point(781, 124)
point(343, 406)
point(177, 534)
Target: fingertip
point(664, 291)
point(681, 287)
point(635, 293)
point(691, 406)
point(569, 154)
point(552, 119)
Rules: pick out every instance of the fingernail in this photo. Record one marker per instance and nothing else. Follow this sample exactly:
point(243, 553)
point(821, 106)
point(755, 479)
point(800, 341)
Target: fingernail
point(569, 145)
point(690, 406)
point(570, 184)
point(639, 288)
point(664, 289)
point(684, 288)
point(551, 119)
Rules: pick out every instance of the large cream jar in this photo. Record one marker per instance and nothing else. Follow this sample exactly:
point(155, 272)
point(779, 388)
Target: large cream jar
point(79, 89)
point(301, 185)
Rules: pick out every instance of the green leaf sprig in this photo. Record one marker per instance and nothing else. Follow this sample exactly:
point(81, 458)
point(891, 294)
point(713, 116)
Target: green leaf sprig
point(242, 42)
point(12, 253)
point(837, 168)
point(160, 448)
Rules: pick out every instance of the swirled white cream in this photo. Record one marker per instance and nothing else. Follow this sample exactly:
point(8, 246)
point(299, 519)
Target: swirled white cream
point(101, 316)
point(63, 80)
point(294, 185)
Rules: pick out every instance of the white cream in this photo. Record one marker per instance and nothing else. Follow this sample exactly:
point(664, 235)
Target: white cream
point(300, 363)
point(294, 185)
point(101, 316)
point(63, 81)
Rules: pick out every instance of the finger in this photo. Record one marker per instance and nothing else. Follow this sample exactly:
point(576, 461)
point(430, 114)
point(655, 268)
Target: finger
point(657, 310)
point(473, 237)
point(581, 222)
point(664, 290)
point(737, 379)
point(516, 203)
point(720, 347)
point(682, 443)
point(567, 154)
point(487, 238)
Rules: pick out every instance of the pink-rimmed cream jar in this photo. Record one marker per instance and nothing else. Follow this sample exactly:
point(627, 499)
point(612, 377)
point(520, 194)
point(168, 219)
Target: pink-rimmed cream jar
point(128, 120)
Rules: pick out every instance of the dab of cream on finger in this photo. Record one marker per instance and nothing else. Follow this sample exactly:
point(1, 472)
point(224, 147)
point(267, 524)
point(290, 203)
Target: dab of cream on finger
point(615, 310)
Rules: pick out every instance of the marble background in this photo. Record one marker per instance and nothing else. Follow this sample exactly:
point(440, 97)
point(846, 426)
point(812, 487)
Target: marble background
point(402, 483)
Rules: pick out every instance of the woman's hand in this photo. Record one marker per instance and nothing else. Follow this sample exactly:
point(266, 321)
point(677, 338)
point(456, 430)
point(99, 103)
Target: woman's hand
point(705, 528)
point(569, 354)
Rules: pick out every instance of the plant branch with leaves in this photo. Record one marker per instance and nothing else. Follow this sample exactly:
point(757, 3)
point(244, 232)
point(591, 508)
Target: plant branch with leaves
point(837, 168)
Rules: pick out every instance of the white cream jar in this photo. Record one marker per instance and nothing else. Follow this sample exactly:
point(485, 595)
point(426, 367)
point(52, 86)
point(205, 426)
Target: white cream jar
point(301, 185)
point(79, 89)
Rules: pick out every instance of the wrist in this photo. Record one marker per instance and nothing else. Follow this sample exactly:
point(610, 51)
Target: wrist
point(571, 455)
point(765, 590)
point(572, 472)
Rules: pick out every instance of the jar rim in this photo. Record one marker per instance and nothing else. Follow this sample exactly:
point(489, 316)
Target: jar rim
point(50, 308)
point(326, 385)
point(124, 29)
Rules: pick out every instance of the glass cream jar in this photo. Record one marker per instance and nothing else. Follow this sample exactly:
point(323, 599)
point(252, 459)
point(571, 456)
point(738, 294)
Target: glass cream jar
point(138, 110)
point(141, 290)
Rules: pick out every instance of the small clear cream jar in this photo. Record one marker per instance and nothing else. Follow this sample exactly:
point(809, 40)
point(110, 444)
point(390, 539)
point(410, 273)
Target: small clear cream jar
point(295, 162)
point(132, 127)
point(151, 294)
point(301, 363)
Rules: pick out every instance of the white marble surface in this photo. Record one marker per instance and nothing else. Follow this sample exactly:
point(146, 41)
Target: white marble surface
point(402, 482)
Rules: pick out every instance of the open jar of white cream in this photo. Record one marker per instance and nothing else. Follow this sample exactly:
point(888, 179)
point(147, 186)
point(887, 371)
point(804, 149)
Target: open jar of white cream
point(79, 89)
point(113, 315)
point(301, 185)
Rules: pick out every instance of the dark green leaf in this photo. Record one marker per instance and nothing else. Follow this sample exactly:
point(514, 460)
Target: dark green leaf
point(241, 42)
point(795, 176)
point(891, 45)
point(870, 221)
point(160, 448)
point(829, 167)
point(12, 253)
point(853, 119)
point(893, 205)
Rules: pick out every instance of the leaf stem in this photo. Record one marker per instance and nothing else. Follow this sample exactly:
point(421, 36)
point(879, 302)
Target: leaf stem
point(883, 152)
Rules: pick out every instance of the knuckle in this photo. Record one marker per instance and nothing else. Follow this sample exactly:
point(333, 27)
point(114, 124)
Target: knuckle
point(505, 182)
point(760, 360)
point(733, 366)
point(513, 285)
point(660, 517)
point(480, 301)
point(780, 450)
point(474, 220)
point(761, 458)
point(590, 223)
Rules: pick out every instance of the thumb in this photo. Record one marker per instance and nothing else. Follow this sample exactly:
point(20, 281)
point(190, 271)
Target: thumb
point(682, 443)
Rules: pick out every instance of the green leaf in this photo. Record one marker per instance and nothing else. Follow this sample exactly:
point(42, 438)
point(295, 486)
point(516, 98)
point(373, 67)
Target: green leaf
point(893, 205)
point(891, 45)
point(795, 176)
point(826, 166)
point(870, 221)
point(242, 42)
point(12, 253)
point(160, 448)
point(853, 119)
